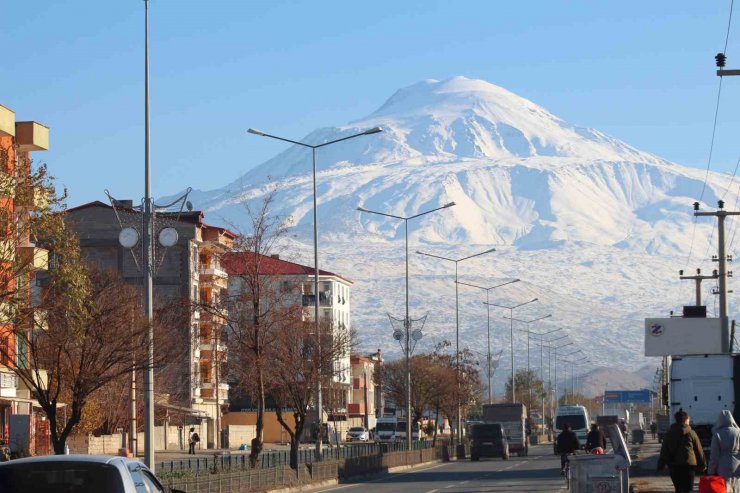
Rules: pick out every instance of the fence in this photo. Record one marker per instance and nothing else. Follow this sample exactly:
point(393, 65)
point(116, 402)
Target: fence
point(365, 459)
point(282, 457)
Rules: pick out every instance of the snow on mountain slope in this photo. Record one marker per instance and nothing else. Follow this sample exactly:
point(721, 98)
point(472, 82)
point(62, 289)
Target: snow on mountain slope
point(596, 227)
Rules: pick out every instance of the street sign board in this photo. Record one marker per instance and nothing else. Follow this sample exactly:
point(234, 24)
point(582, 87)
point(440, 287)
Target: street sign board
point(677, 336)
point(627, 396)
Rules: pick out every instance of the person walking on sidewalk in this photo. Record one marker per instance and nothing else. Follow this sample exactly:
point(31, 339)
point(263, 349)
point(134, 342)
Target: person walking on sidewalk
point(725, 457)
point(193, 438)
point(653, 428)
point(682, 453)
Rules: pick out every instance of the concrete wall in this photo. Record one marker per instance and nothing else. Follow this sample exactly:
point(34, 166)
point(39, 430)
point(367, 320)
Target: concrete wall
point(273, 432)
point(88, 444)
point(239, 434)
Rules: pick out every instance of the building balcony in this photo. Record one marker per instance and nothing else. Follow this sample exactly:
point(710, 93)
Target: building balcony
point(34, 258)
point(41, 379)
point(213, 276)
point(30, 197)
point(35, 319)
point(8, 384)
point(212, 318)
point(206, 352)
point(7, 121)
point(325, 299)
point(32, 136)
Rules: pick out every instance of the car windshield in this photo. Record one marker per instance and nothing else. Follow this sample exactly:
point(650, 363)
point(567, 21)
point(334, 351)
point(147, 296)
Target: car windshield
point(358, 429)
point(386, 427)
point(576, 421)
point(62, 476)
point(486, 431)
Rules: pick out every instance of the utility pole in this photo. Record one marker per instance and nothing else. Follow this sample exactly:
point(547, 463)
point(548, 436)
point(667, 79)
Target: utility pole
point(698, 278)
point(723, 274)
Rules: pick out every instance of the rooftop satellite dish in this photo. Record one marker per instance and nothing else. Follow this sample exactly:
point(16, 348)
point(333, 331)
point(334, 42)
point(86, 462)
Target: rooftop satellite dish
point(189, 206)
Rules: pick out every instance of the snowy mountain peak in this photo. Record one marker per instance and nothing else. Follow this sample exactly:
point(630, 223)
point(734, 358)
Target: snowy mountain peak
point(459, 118)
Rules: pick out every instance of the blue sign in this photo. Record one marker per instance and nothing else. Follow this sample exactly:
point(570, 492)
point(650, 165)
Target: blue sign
point(627, 396)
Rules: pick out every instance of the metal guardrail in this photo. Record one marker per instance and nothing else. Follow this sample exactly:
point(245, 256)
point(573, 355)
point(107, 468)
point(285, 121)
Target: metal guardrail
point(282, 457)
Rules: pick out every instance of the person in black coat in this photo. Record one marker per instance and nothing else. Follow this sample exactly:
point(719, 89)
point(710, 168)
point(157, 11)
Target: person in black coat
point(595, 438)
point(567, 443)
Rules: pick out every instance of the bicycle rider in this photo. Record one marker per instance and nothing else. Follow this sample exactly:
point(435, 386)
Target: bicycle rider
point(567, 443)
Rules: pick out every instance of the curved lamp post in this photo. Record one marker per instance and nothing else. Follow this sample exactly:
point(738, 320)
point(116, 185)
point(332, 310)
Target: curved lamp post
point(374, 130)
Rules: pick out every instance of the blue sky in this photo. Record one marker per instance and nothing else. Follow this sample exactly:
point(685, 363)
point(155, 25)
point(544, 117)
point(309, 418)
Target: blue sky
point(641, 71)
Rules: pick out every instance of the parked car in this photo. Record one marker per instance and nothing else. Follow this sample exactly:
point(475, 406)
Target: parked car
point(488, 440)
point(78, 473)
point(358, 433)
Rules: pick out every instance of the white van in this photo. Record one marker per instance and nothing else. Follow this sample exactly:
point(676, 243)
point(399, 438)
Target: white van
point(577, 417)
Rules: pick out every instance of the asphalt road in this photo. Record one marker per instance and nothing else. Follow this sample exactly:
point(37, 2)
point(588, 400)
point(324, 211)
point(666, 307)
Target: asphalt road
point(539, 472)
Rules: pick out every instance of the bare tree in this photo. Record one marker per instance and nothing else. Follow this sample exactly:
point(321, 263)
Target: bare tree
point(301, 360)
point(252, 311)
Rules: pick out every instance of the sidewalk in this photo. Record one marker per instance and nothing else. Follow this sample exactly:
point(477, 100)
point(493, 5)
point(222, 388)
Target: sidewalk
point(644, 477)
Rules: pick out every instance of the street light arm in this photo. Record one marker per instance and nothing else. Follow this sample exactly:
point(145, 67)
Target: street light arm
point(260, 133)
point(525, 303)
point(450, 204)
point(436, 256)
point(490, 250)
point(362, 209)
point(371, 131)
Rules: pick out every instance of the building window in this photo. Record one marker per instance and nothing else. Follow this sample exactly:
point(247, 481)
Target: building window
point(4, 350)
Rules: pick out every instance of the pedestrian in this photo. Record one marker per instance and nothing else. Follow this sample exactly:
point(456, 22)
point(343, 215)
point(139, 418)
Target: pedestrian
point(725, 456)
point(193, 438)
point(566, 443)
point(595, 439)
point(653, 428)
point(682, 453)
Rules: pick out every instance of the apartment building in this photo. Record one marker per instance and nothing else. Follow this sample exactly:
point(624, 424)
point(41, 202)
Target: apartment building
point(334, 305)
point(194, 388)
point(361, 409)
point(21, 423)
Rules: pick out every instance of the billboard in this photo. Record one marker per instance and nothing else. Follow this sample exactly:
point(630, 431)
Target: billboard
point(627, 396)
point(681, 336)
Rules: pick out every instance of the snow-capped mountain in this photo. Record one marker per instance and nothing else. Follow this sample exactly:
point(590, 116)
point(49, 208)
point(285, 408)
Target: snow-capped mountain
point(594, 227)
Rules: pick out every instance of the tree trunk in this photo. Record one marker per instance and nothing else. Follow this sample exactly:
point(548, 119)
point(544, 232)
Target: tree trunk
point(295, 435)
point(436, 426)
point(258, 440)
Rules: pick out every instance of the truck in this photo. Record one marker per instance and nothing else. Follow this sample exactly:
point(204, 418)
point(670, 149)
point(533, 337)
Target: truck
point(704, 385)
point(385, 429)
point(512, 417)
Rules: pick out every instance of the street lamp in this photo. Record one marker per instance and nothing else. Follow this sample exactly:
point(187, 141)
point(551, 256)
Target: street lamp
point(542, 365)
point(488, 327)
point(406, 320)
point(457, 326)
point(528, 332)
point(511, 329)
point(374, 130)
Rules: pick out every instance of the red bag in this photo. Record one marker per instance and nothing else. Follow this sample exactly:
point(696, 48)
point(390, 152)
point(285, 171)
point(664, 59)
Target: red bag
point(712, 484)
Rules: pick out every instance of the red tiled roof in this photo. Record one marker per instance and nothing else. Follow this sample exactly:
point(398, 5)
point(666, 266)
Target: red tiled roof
point(236, 263)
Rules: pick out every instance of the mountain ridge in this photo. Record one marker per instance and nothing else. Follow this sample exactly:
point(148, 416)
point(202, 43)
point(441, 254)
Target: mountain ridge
point(552, 197)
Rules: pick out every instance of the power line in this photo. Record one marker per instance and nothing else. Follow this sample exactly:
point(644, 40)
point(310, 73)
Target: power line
point(714, 133)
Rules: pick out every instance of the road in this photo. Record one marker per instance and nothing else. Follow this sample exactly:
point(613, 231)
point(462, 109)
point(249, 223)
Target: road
point(538, 472)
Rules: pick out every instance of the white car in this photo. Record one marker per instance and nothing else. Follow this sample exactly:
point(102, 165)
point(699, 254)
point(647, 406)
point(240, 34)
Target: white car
point(79, 473)
point(358, 433)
